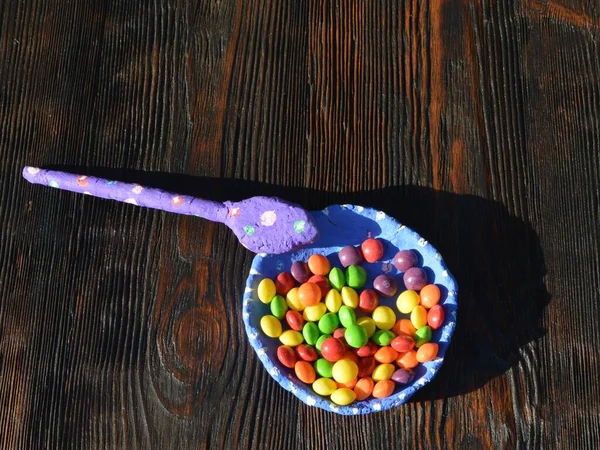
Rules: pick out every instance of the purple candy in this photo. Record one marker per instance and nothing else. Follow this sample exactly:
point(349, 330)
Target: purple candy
point(415, 279)
point(385, 285)
point(401, 376)
point(405, 259)
point(300, 271)
point(350, 255)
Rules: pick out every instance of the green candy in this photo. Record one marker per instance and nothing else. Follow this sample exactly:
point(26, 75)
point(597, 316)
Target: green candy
point(356, 336)
point(356, 276)
point(320, 341)
point(311, 333)
point(328, 323)
point(347, 316)
point(383, 337)
point(279, 307)
point(324, 368)
point(337, 278)
point(423, 336)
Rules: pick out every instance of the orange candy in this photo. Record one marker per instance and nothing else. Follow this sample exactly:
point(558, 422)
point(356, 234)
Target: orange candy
point(386, 355)
point(427, 352)
point(363, 388)
point(383, 388)
point(349, 385)
point(430, 295)
point(305, 372)
point(309, 294)
point(404, 326)
point(319, 265)
point(407, 360)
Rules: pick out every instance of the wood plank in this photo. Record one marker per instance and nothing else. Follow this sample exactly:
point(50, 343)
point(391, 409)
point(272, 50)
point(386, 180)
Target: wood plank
point(475, 123)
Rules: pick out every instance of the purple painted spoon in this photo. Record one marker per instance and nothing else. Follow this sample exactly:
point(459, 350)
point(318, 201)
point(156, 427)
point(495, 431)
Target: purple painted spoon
point(261, 224)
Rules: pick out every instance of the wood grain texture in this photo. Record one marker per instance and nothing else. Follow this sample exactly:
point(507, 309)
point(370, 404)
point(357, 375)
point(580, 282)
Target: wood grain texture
point(475, 122)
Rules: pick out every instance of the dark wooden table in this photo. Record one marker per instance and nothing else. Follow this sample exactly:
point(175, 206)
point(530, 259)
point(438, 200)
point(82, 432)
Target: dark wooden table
point(475, 122)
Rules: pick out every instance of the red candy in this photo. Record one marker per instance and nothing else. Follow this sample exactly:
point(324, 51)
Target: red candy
point(367, 350)
point(372, 250)
point(284, 283)
point(368, 301)
point(295, 320)
point(351, 356)
point(339, 333)
point(322, 282)
point(366, 366)
point(435, 317)
point(307, 353)
point(333, 349)
point(286, 356)
point(403, 343)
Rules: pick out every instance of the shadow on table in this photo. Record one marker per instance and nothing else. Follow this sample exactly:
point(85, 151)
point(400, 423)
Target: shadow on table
point(495, 257)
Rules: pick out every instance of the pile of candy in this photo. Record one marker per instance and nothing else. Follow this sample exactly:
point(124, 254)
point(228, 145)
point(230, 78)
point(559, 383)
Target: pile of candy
point(341, 340)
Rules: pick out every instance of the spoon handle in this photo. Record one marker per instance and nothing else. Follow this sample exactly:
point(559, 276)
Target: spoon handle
point(129, 193)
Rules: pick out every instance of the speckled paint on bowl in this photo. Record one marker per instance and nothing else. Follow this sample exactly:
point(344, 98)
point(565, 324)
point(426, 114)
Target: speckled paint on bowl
point(342, 225)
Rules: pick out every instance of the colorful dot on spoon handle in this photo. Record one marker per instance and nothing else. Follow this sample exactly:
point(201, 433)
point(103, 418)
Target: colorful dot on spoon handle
point(132, 193)
point(262, 224)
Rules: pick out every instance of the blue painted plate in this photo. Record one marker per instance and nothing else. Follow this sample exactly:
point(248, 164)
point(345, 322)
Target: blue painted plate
point(351, 225)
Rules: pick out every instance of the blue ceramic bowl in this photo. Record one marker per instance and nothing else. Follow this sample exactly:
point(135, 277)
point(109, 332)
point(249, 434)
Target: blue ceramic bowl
point(351, 225)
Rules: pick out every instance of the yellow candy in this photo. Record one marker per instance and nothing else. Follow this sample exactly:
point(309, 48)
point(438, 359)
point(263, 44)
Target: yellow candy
point(344, 371)
point(349, 297)
point(314, 313)
point(333, 301)
point(343, 396)
point(418, 317)
point(291, 338)
point(324, 386)
point(266, 290)
point(407, 301)
point(293, 301)
point(383, 372)
point(271, 326)
point(384, 317)
point(368, 324)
